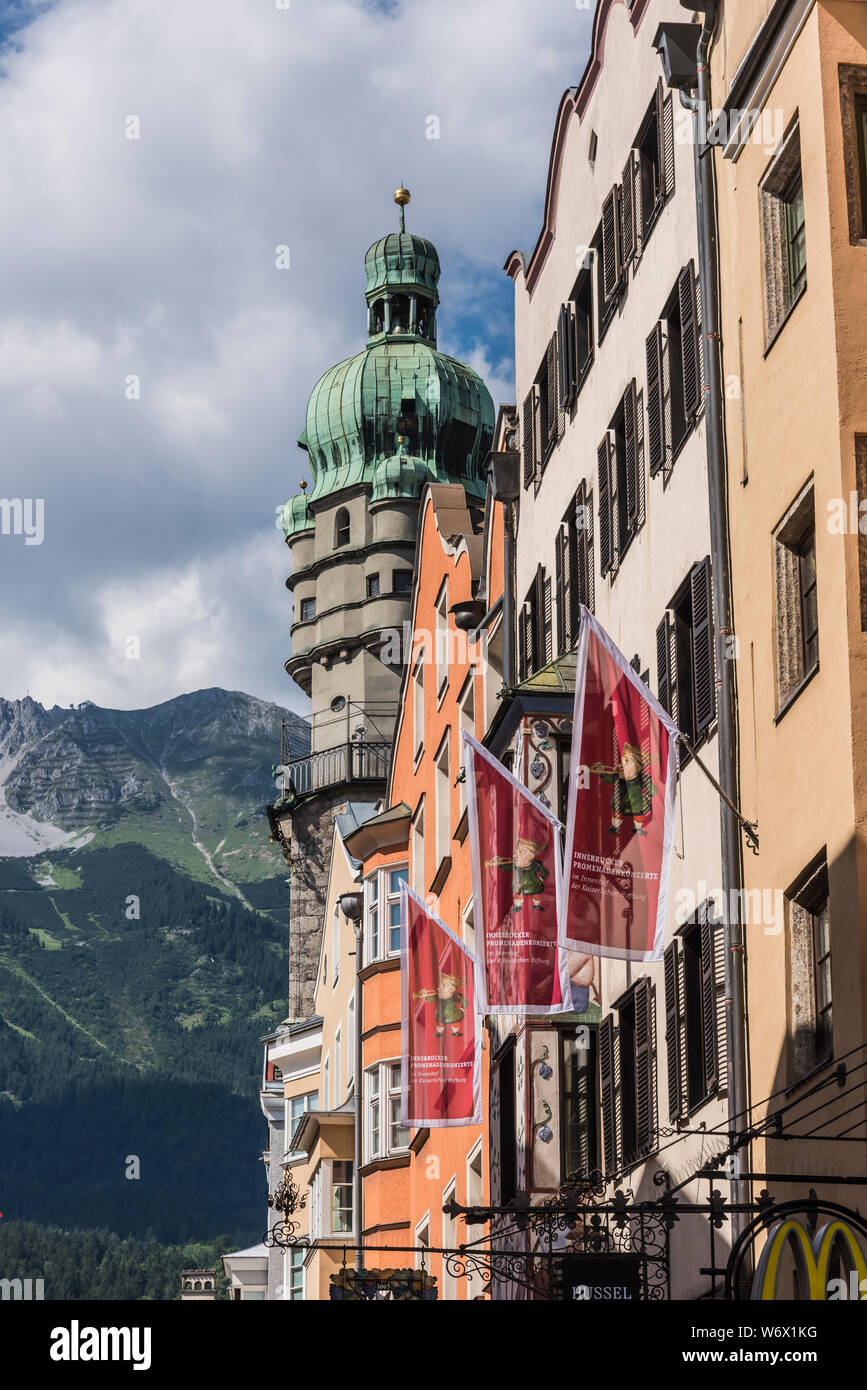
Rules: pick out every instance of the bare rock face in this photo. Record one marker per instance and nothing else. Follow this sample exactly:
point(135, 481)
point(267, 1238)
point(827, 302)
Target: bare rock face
point(92, 766)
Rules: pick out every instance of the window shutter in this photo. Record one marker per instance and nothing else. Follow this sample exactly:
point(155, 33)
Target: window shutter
point(606, 556)
point(708, 1002)
point(527, 438)
point(583, 344)
point(704, 693)
point(665, 682)
point(630, 444)
point(588, 577)
point(627, 211)
point(610, 245)
point(523, 671)
point(671, 971)
point(560, 587)
point(689, 340)
point(566, 356)
point(655, 404)
point(643, 1084)
point(551, 373)
point(546, 624)
point(666, 168)
point(606, 1093)
point(664, 143)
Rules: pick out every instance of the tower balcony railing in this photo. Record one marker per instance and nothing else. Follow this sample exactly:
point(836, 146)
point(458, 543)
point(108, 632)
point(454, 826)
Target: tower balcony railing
point(347, 762)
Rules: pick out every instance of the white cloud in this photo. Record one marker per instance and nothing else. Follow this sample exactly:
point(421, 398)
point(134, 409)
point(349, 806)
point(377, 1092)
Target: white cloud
point(155, 258)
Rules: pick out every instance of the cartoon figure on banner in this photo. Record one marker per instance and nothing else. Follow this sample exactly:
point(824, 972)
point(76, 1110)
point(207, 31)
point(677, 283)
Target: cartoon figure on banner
point(633, 788)
point(451, 1005)
point(528, 872)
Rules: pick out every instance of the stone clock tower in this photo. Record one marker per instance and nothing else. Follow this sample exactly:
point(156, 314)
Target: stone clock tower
point(380, 425)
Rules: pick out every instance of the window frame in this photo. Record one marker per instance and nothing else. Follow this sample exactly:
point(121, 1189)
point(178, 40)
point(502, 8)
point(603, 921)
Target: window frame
point(380, 1101)
point(379, 899)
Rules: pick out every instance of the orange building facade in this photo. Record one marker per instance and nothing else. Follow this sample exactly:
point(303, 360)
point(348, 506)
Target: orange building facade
point(450, 684)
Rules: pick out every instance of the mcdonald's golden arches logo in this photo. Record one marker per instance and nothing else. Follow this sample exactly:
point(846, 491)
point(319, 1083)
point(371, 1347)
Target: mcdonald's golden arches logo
point(812, 1259)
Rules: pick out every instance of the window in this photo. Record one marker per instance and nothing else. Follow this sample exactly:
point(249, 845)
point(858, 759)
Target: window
point(335, 946)
point(797, 610)
point(475, 1180)
point(573, 567)
point(298, 1107)
point(692, 971)
point(296, 1275)
point(621, 482)
point(811, 1031)
point(316, 1204)
point(578, 1103)
point(384, 1133)
point(442, 639)
point(443, 801)
point(575, 338)
point(383, 912)
point(448, 1281)
point(418, 883)
point(326, 1087)
point(652, 166)
point(373, 586)
point(784, 234)
point(308, 609)
point(418, 705)
point(341, 528)
point(610, 262)
point(853, 110)
point(504, 1178)
point(674, 377)
point(685, 658)
point(341, 1196)
point(535, 632)
point(540, 417)
point(402, 581)
point(338, 1079)
point(467, 701)
point(350, 1043)
point(422, 1241)
point(626, 1078)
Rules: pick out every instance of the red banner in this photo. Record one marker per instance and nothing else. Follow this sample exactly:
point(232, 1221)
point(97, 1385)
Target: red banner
point(516, 862)
point(441, 1032)
point(620, 825)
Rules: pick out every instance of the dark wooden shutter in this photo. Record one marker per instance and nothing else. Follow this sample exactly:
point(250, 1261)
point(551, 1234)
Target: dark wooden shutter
point(546, 621)
point(583, 335)
point(527, 438)
point(606, 1093)
point(610, 245)
point(551, 374)
point(665, 682)
point(704, 693)
point(689, 340)
point(660, 142)
point(603, 459)
point(643, 1059)
point(589, 578)
point(671, 971)
point(627, 212)
point(655, 402)
point(708, 1002)
point(666, 168)
point(560, 590)
point(566, 356)
point(630, 447)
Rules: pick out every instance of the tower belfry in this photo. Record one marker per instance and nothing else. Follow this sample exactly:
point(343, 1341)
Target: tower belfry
point(379, 426)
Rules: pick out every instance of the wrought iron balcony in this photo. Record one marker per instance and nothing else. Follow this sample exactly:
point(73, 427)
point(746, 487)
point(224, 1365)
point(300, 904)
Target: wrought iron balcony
point(354, 761)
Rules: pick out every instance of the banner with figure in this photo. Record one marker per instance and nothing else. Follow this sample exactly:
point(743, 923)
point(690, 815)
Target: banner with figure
point(620, 826)
point(441, 1032)
point(517, 870)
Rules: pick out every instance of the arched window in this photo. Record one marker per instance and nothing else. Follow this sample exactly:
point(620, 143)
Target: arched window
point(188, 1283)
point(208, 1284)
point(198, 1284)
point(341, 528)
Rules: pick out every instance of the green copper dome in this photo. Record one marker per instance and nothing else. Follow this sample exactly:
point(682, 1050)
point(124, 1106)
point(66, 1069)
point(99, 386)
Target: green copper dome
point(400, 411)
point(401, 259)
point(295, 515)
point(400, 476)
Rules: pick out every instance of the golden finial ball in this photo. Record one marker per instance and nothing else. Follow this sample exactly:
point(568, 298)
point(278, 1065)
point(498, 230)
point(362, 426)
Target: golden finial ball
point(402, 196)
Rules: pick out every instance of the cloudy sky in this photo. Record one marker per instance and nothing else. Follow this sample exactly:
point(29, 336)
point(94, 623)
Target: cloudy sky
point(260, 123)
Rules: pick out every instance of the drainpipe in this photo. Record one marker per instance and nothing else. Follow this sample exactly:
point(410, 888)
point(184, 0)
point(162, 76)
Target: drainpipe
point(732, 864)
point(352, 907)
